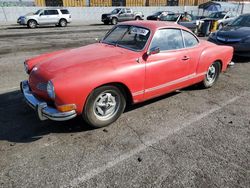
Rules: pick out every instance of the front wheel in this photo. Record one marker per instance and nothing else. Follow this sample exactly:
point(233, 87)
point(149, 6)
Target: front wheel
point(137, 18)
point(32, 24)
point(212, 75)
point(104, 106)
point(114, 21)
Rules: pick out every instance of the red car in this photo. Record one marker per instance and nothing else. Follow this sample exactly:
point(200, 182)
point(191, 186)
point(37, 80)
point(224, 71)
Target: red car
point(135, 61)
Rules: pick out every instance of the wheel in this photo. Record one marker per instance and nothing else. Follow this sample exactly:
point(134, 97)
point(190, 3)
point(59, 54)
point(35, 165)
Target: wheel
point(106, 22)
point(104, 106)
point(32, 24)
point(137, 18)
point(212, 75)
point(114, 21)
point(63, 23)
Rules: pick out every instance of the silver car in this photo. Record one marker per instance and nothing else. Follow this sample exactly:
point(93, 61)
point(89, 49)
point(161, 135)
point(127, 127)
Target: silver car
point(59, 17)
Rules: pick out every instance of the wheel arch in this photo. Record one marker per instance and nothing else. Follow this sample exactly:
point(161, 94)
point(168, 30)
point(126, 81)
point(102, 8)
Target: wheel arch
point(32, 19)
point(63, 19)
point(220, 62)
point(123, 88)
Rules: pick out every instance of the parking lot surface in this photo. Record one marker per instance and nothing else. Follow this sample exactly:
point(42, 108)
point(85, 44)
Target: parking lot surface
point(189, 138)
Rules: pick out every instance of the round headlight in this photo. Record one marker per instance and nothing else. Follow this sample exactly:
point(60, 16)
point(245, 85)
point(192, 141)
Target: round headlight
point(50, 90)
point(26, 67)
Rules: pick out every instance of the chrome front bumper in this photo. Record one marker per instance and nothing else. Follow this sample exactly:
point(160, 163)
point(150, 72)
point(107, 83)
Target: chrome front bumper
point(42, 109)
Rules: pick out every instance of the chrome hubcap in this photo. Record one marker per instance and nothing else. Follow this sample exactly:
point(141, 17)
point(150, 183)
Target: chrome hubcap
point(211, 74)
point(106, 106)
point(32, 24)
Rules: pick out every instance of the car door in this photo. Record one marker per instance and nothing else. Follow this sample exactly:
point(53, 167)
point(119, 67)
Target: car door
point(122, 15)
point(129, 14)
point(53, 16)
point(165, 71)
point(193, 50)
point(43, 17)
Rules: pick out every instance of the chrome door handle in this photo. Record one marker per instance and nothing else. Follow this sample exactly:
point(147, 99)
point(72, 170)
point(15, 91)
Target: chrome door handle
point(185, 58)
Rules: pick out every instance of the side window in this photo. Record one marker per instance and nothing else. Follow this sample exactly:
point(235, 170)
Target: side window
point(189, 39)
point(167, 39)
point(52, 12)
point(64, 11)
point(123, 11)
point(42, 13)
point(46, 12)
point(128, 11)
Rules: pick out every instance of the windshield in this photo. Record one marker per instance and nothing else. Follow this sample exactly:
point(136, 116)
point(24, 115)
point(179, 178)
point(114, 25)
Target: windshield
point(116, 11)
point(157, 13)
point(243, 21)
point(126, 36)
point(219, 15)
point(37, 12)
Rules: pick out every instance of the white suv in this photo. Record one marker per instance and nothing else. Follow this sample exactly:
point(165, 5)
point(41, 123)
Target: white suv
point(59, 17)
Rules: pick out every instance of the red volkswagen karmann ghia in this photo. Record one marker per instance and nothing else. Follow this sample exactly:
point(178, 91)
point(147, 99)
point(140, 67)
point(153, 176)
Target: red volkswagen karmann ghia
point(134, 62)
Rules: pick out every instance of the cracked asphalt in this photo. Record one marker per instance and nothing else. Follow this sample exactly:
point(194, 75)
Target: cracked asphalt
point(190, 138)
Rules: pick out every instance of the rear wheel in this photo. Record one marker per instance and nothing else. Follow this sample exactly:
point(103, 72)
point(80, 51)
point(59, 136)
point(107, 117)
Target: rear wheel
point(212, 75)
point(63, 23)
point(104, 106)
point(137, 18)
point(114, 21)
point(32, 24)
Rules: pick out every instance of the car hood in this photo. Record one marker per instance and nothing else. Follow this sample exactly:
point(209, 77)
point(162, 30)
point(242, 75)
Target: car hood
point(234, 32)
point(106, 14)
point(86, 60)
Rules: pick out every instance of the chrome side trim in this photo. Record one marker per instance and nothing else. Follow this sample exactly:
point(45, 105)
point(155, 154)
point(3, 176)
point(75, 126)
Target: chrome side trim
point(183, 79)
point(42, 109)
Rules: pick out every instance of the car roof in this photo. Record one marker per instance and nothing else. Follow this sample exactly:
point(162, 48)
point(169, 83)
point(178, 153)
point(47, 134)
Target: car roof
point(54, 8)
point(154, 25)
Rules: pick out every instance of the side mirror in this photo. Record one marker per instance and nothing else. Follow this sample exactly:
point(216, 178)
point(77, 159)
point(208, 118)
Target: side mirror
point(153, 51)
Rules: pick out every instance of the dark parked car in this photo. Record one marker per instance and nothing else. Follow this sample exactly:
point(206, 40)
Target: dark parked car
point(184, 19)
point(235, 34)
point(157, 15)
point(120, 15)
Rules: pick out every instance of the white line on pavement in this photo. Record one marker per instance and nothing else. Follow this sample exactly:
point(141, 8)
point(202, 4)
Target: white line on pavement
point(165, 133)
point(2, 91)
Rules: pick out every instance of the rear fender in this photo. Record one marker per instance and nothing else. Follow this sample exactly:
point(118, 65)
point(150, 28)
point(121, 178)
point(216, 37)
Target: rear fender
point(224, 54)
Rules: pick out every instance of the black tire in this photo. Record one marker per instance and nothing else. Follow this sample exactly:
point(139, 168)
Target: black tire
point(106, 22)
point(137, 18)
point(114, 21)
point(32, 24)
point(63, 23)
point(212, 75)
point(109, 100)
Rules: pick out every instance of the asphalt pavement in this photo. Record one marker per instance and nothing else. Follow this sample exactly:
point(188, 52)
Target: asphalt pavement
point(190, 138)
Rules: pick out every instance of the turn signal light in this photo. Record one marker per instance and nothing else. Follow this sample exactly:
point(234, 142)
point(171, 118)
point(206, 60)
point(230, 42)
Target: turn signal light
point(66, 107)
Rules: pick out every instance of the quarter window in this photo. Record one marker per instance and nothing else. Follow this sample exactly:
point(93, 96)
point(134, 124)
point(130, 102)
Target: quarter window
point(189, 39)
point(167, 39)
point(64, 11)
